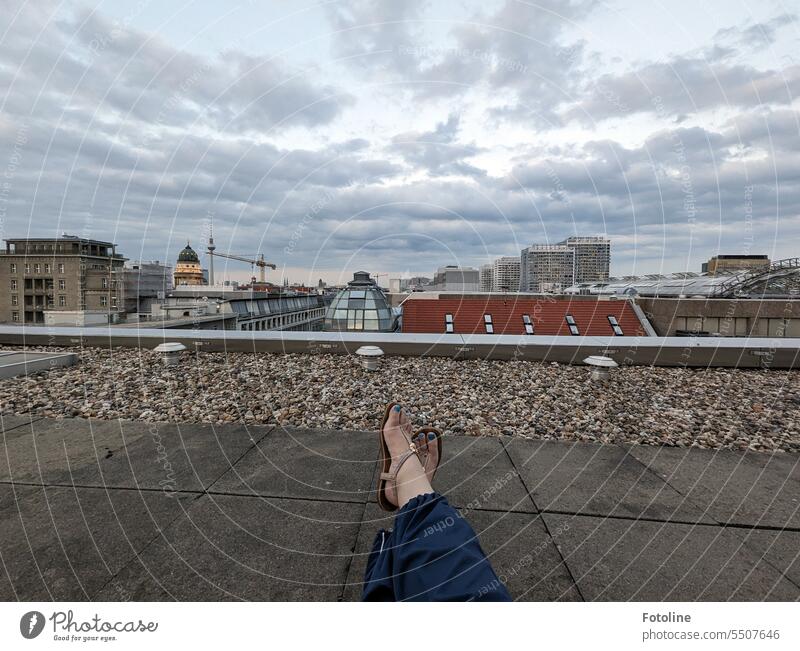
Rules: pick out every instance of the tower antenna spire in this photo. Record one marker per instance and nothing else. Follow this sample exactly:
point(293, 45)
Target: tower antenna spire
point(211, 249)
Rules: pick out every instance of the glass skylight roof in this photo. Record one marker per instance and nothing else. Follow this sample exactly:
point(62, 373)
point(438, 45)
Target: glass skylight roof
point(361, 306)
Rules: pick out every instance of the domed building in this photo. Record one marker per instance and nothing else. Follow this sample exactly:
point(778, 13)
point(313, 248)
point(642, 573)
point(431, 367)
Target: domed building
point(188, 271)
point(361, 306)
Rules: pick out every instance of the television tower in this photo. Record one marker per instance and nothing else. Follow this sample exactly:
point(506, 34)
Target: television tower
point(211, 249)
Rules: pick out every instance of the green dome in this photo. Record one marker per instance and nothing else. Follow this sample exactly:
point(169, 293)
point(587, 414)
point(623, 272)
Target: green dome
point(188, 255)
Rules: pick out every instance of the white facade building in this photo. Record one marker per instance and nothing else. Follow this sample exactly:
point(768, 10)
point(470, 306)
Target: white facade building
point(505, 274)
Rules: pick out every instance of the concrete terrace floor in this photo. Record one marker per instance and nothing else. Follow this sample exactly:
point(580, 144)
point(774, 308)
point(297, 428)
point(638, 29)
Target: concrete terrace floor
point(120, 510)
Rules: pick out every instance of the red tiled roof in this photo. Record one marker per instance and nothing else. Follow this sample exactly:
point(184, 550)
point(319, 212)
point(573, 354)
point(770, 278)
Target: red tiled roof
point(548, 315)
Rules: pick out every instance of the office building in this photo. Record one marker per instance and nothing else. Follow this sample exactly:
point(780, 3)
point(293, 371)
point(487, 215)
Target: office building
point(547, 268)
point(456, 279)
point(592, 258)
point(67, 280)
point(203, 307)
point(145, 283)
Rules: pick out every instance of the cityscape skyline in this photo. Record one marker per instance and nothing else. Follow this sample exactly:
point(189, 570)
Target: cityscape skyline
point(402, 136)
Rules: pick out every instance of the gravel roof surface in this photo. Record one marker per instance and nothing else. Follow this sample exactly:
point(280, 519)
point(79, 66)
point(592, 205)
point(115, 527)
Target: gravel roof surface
point(713, 408)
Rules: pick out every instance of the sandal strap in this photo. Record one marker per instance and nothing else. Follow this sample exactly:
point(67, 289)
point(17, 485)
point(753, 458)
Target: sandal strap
point(394, 469)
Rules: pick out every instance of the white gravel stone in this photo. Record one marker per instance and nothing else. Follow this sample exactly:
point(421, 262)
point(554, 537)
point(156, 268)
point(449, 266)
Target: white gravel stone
point(710, 408)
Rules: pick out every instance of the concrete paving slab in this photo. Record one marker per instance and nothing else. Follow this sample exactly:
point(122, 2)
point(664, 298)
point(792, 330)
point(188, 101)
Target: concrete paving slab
point(48, 449)
point(233, 547)
point(753, 488)
point(522, 553)
point(169, 456)
point(11, 494)
point(312, 464)
point(65, 544)
point(627, 560)
point(779, 548)
point(476, 473)
point(9, 422)
point(594, 479)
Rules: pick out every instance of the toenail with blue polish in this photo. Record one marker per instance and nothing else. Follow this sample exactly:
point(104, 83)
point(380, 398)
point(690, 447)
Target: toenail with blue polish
point(431, 436)
point(397, 407)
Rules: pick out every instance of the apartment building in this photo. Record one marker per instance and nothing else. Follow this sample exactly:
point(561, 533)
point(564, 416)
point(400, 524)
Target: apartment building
point(485, 277)
point(505, 274)
point(69, 279)
point(592, 258)
point(547, 268)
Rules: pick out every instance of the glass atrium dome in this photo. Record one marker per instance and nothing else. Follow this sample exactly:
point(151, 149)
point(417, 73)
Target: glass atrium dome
point(361, 306)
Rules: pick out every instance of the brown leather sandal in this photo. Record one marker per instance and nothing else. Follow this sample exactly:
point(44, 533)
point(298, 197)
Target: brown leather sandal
point(390, 467)
point(424, 456)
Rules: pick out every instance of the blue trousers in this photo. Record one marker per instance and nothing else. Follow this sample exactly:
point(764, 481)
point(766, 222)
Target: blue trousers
point(431, 554)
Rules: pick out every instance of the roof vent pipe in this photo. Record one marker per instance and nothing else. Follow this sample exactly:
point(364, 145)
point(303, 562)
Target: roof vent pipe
point(601, 366)
point(370, 357)
point(170, 352)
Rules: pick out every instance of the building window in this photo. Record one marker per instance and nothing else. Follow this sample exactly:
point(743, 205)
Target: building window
point(27, 268)
point(105, 283)
point(526, 321)
point(487, 323)
point(113, 301)
point(14, 299)
point(448, 323)
point(615, 325)
point(62, 284)
point(13, 268)
point(573, 327)
point(15, 316)
point(104, 300)
point(62, 301)
point(47, 267)
point(13, 283)
point(37, 268)
point(49, 301)
point(61, 267)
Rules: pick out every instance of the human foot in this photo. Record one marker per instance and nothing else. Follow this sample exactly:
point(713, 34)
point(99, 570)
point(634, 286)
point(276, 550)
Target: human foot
point(402, 476)
point(429, 444)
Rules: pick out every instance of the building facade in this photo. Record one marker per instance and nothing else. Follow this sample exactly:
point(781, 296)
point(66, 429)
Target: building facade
point(74, 280)
point(187, 269)
point(145, 283)
point(727, 264)
point(204, 307)
point(456, 279)
point(486, 277)
point(592, 258)
point(505, 274)
point(547, 268)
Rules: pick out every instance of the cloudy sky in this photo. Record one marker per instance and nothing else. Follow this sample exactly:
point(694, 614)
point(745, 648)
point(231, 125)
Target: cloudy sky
point(398, 136)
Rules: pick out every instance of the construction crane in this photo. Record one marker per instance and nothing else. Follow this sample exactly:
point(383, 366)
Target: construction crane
point(255, 262)
point(376, 276)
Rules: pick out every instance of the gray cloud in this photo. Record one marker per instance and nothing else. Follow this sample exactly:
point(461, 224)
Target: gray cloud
point(116, 134)
point(438, 151)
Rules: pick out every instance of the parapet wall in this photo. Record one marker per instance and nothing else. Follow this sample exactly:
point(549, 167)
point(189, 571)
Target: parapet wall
point(696, 352)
